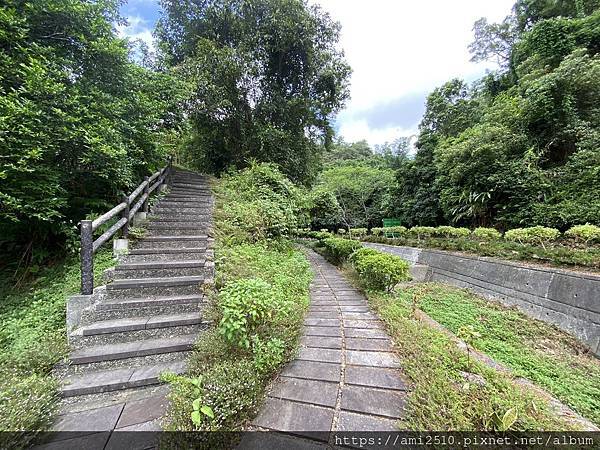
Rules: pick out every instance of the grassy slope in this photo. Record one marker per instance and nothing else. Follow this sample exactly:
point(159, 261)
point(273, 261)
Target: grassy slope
point(33, 339)
point(533, 349)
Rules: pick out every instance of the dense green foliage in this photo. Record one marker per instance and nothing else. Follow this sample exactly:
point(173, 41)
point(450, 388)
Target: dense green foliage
point(443, 395)
point(520, 146)
point(32, 341)
point(537, 351)
point(339, 250)
point(258, 305)
point(265, 75)
point(79, 121)
point(380, 271)
point(268, 205)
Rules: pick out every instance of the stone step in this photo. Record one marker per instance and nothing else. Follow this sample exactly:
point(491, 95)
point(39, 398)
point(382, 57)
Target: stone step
point(178, 223)
point(183, 205)
point(173, 242)
point(110, 352)
point(167, 251)
point(138, 323)
point(78, 341)
point(181, 198)
point(153, 287)
point(178, 231)
point(160, 210)
point(193, 192)
point(158, 255)
point(190, 186)
point(189, 218)
point(143, 302)
point(160, 269)
point(118, 379)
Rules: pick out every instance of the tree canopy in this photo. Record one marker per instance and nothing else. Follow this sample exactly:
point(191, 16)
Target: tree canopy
point(266, 78)
point(521, 145)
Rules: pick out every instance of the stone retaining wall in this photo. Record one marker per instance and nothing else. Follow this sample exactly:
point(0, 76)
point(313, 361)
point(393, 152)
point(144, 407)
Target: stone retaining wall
point(570, 300)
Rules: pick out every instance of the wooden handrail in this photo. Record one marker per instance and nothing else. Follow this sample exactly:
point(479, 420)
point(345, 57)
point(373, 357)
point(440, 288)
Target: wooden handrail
point(127, 209)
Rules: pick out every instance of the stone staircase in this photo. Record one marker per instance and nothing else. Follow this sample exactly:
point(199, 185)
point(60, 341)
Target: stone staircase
point(146, 320)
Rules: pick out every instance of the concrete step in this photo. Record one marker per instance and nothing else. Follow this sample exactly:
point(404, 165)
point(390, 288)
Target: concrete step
point(181, 198)
point(178, 223)
point(170, 210)
point(138, 323)
point(157, 256)
point(154, 287)
point(188, 218)
point(110, 352)
point(173, 242)
point(177, 231)
point(160, 269)
point(118, 379)
point(143, 302)
point(188, 186)
point(183, 251)
point(183, 204)
point(192, 192)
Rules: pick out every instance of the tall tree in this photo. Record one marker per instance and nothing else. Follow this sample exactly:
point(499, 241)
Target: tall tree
point(267, 78)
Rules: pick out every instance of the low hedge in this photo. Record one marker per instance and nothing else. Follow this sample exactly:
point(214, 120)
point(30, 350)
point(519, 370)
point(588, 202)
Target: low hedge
point(380, 271)
point(532, 235)
point(339, 250)
point(586, 234)
point(486, 234)
point(451, 232)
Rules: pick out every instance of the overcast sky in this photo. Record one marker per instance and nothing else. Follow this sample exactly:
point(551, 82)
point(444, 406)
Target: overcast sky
point(399, 51)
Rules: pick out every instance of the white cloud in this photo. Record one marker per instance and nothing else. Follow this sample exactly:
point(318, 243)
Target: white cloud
point(137, 28)
point(400, 48)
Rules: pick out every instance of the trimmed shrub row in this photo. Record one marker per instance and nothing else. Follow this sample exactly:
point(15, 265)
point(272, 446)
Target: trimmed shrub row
point(583, 234)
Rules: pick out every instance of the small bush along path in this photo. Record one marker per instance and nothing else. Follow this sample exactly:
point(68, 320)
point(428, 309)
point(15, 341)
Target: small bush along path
point(345, 377)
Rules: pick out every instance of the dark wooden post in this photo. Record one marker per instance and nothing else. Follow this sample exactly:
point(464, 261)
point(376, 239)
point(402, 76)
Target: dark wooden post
point(125, 214)
point(87, 257)
point(147, 193)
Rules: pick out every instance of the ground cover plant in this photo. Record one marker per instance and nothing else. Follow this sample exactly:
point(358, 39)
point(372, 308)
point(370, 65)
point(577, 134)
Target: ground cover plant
point(533, 349)
point(33, 339)
point(257, 304)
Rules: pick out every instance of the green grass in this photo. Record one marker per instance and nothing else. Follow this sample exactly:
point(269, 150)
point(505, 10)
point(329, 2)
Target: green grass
point(533, 349)
point(560, 256)
point(33, 339)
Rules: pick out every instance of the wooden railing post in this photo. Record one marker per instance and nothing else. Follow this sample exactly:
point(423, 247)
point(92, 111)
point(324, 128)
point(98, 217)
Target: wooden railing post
point(87, 257)
point(125, 214)
point(147, 193)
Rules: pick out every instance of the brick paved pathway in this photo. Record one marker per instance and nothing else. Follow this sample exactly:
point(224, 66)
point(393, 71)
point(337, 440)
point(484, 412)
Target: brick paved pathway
point(345, 377)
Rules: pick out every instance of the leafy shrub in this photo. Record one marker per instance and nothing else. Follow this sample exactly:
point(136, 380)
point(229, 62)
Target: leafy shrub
point(377, 231)
point(246, 304)
point(451, 232)
point(358, 232)
point(338, 250)
point(584, 233)
point(486, 234)
point(422, 232)
point(532, 235)
point(268, 355)
point(380, 271)
point(395, 231)
point(320, 235)
point(258, 203)
point(362, 252)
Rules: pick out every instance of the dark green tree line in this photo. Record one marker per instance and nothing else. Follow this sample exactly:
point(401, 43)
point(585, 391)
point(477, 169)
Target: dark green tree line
point(80, 122)
point(521, 146)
